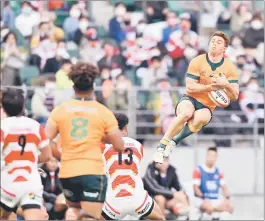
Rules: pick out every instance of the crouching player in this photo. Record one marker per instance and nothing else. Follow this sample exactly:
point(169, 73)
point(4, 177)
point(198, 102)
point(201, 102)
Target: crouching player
point(126, 194)
point(208, 181)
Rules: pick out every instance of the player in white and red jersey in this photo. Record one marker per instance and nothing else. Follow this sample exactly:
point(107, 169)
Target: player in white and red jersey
point(126, 194)
point(21, 140)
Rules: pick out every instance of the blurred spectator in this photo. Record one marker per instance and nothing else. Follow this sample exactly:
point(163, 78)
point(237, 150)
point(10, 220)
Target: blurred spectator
point(183, 45)
point(235, 48)
point(81, 32)
point(71, 24)
point(159, 180)
point(62, 80)
point(240, 17)
point(90, 47)
point(27, 20)
point(43, 99)
point(116, 23)
point(254, 35)
point(156, 11)
point(53, 64)
point(42, 33)
point(12, 59)
point(46, 49)
point(52, 190)
point(172, 26)
point(118, 98)
point(252, 101)
point(153, 73)
point(8, 16)
point(162, 102)
point(112, 58)
point(56, 32)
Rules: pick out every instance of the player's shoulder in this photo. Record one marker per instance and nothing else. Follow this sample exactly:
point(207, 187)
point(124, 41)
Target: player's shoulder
point(198, 59)
point(11, 122)
point(228, 62)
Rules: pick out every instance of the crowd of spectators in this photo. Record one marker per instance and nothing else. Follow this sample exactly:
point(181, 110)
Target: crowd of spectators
point(147, 49)
point(150, 49)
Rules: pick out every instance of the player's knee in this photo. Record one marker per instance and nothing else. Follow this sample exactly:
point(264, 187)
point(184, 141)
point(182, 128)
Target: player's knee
point(160, 199)
point(180, 196)
point(229, 208)
point(207, 207)
point(185, 116)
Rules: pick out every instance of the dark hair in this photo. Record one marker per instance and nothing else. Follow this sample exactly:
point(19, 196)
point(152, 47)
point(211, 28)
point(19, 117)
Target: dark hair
point(122, 119)
point(8, 34)
point(13, 102)
point(118, 4)
point(66, 61)
point(26, 3)
point(212, 149)
point(83, 76)
point(156, 58)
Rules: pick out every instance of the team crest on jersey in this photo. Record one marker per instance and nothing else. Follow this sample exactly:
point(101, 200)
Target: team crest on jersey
point(32, 196)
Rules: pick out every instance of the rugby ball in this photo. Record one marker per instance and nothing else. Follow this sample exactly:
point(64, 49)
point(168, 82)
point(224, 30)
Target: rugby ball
point(219, 97)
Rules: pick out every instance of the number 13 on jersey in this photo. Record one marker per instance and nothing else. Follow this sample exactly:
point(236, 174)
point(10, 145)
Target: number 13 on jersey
point(79, 128)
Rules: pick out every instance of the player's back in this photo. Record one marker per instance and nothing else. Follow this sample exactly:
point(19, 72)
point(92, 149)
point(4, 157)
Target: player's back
point(123, 168)
point(82, 124)
point(21, 138)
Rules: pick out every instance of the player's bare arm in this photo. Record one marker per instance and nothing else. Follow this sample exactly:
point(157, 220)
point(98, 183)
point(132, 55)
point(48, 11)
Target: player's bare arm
point(114, 137)
point(45, 155)
point(197, 190)
point(193, 86)
point(225, 191)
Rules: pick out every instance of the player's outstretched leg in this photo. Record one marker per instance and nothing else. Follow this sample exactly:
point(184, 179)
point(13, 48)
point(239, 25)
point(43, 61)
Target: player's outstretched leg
point(200, 118)
point(184, 112)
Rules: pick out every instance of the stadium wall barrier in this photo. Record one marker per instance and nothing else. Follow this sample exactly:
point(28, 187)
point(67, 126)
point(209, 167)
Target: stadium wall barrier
point(243, 168)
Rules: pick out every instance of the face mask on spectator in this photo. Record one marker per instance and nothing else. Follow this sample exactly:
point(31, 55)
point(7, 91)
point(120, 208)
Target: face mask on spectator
point(256, 24)
point(50, 87)
point(83, 25)
point(120, 11)
point(253, 87)
point(236, 42)
point(75, 13)
point(105, 74)
point(26, 10)
point(172, 21)
point(140, 28)
point(155, 52)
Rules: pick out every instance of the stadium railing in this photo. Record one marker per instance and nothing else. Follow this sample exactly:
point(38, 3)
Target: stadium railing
point(144, 109)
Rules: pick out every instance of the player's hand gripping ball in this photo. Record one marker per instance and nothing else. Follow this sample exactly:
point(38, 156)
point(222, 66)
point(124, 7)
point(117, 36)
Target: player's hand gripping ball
point(219, 97)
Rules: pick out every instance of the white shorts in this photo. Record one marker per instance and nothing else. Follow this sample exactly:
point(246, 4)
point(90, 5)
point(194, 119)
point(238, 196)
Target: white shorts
point(27, 195)
point(215, 202)
point(139, 205)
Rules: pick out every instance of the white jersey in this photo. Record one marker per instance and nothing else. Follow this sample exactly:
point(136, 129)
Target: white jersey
point(123, 168)
point(21, 139)
point(125, 193)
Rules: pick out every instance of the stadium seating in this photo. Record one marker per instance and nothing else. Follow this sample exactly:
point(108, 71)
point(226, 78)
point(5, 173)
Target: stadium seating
point(28, 73)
